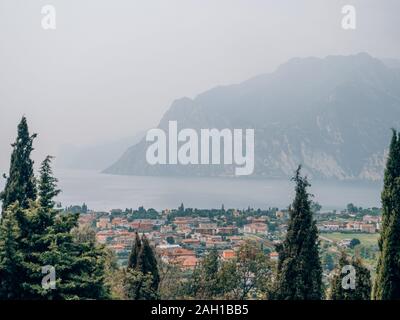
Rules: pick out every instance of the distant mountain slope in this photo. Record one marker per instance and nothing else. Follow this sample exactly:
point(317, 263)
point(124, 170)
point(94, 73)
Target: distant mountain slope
point(94, 157)
point(332, 115)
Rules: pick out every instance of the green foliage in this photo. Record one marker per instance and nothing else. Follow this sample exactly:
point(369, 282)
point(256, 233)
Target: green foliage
point(204, 283)
point(138, 286)
point(135, 253)
point(351, 208)
point(44, 238)
point(141, 213)
point(170, 240)
point(47, 185)
point(328, 261)
point(247, 276)
point(20, 184)
point(141, 277)
point(112, 274)
point(387, 281)
point(299, 274)
point(147, 263)
point(354, 242)
point(76, 209)
point(11, 259)
point(362, 290)
point(172, 282)
point(37, 235)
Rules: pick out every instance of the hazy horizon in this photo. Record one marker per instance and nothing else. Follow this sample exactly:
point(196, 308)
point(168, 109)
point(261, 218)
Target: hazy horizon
point(111, 69)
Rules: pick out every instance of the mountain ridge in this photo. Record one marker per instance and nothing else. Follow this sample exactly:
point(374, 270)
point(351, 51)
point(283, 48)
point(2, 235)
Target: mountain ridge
point(333, 115)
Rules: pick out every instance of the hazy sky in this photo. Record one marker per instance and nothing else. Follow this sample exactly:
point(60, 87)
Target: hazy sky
point(112, 67)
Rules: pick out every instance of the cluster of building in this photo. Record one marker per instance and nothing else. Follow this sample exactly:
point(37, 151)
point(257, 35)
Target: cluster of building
point(183, 239)
point(368, 224)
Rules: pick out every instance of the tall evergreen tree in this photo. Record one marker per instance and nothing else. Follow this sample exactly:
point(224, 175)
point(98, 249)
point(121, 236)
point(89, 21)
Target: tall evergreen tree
point(142, 277)
point(362, 290)
point(148, 263)
point(207, 285)
point(387, 281)
point(20, 184)
point(138, 286)
point(47, 184)
point(299, 269)
point(135, 252)
point(39, 236)
point(211, 264)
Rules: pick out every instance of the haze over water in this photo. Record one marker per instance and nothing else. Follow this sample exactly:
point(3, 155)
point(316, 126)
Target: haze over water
point(105, 192)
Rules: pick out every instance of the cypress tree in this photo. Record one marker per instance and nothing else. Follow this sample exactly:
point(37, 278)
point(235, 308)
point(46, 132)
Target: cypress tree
point(299, 275)
point(387, 281)
point(47, 184)
point(142, 259)
point(20, 185)
point(135, 252)
point(363, 280)
point(362, 290)
point(148, 263)
point(141, 277)
point(138, 286)
point(210, 266)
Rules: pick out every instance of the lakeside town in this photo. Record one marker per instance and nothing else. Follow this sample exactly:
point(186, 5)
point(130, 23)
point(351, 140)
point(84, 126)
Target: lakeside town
point(191, 253)
point(182, 236)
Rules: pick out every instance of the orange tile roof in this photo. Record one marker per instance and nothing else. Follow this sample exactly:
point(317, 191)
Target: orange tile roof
point(228, 254)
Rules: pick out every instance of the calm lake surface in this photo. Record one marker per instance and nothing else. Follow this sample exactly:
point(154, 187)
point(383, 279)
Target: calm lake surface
point(104, 192)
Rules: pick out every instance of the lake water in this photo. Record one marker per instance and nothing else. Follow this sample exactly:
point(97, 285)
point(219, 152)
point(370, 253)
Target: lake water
point(104, 192)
